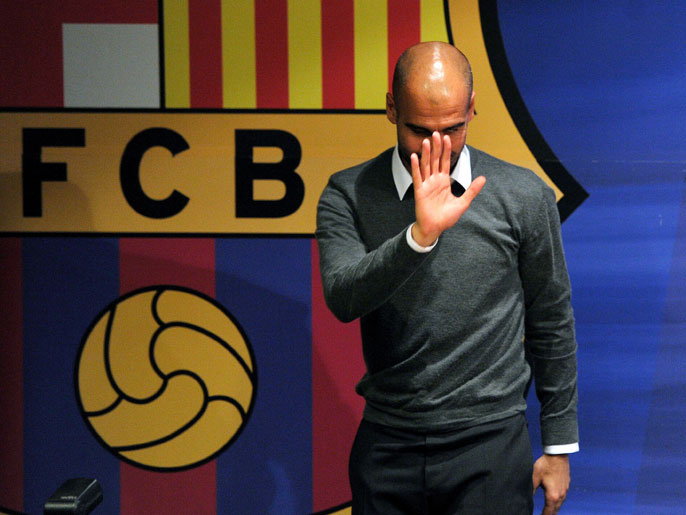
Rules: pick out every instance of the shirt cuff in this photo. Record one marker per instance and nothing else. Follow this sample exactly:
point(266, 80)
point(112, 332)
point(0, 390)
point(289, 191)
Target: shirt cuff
point(416, 246)
point(561, 449)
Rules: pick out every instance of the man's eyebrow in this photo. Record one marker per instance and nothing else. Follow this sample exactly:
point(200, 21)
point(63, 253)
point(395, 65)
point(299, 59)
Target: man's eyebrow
point(419, 128)
point(456, 126)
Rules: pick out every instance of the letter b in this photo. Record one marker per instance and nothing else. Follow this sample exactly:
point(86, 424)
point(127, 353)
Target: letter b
point(248, 171)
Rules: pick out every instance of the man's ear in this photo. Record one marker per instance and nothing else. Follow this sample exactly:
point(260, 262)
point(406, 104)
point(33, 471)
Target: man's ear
point(472, 111)
point(391, 111)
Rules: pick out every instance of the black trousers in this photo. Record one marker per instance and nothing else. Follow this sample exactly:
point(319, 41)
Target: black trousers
point(484, 469)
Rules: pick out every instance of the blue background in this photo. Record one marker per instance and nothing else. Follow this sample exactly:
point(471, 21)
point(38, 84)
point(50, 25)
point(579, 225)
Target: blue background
point(605, 83)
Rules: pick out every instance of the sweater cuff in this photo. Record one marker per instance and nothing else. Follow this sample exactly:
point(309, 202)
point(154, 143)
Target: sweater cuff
point(416, 246)
point(561, 449)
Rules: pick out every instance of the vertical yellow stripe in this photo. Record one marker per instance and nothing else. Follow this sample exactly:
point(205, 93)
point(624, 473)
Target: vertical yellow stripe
point(177, 82)
point(305, 54)
point(238, 54)
point(371, 53)
point(433, 26)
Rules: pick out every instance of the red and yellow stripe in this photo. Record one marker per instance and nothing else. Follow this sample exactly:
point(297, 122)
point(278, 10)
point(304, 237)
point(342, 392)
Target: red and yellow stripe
point(290, 54)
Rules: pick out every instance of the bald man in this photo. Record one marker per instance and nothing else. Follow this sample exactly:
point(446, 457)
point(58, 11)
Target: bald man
point(453, 261)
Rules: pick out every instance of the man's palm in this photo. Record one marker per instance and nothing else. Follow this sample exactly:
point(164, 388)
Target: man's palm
point(436, 208)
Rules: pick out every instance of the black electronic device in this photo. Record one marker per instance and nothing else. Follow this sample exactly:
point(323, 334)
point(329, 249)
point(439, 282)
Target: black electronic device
point(77, 496)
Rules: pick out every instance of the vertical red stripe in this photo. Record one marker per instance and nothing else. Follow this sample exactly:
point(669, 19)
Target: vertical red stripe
point(404, 30)
point(271, 53)
point(11, 374)
point(338, 54)
point(31, 64)
point(183, 262)
point(31, 44)
point(336, 408)
point(205, 52)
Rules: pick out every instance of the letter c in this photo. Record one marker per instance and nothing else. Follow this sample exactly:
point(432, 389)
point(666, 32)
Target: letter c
point(129, 173)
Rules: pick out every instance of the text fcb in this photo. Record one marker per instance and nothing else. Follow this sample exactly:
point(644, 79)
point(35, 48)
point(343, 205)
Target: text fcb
point(170, 173)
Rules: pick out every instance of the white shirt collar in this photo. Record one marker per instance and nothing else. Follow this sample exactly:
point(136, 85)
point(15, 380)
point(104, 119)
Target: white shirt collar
point(462, 172)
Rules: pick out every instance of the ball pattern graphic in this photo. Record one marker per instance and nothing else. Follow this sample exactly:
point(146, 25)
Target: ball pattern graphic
point(165, 378)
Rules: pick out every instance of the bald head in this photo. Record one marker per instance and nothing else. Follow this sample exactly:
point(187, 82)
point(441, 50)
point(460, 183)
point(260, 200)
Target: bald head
point(433, 70)
point(432, 93)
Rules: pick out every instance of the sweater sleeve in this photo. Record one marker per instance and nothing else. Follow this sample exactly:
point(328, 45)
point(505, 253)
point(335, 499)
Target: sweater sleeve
point(549, 324)
point(357, 280)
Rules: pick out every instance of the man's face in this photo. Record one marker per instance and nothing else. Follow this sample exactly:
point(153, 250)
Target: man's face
point(417, 116)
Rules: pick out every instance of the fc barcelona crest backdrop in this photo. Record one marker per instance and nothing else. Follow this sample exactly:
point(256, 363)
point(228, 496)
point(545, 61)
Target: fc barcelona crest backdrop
point(163, 327)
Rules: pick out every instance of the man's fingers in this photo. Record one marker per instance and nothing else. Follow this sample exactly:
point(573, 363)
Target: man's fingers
point(426, 158)
point(445, 155)
point(436, 148)
point(536, 481)
point(553, 502)
point(416, 173)
point(474, 189)
point(551, 507)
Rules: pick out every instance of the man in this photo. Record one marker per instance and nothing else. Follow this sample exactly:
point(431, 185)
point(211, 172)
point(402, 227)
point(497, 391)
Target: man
point(460, 298)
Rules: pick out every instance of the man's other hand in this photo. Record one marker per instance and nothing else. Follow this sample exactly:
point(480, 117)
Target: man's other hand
point(551, 472)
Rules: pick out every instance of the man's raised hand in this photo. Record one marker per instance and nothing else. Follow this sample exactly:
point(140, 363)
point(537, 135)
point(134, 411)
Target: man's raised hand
point(436, 208)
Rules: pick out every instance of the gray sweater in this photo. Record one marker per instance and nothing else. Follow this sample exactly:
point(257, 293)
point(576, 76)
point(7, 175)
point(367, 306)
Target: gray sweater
point(442, 332)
